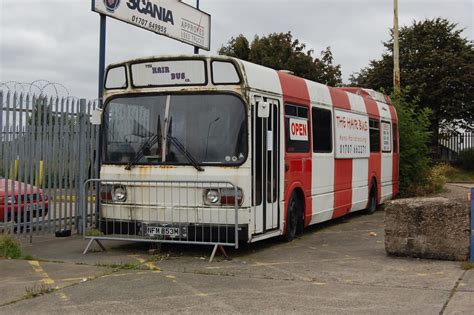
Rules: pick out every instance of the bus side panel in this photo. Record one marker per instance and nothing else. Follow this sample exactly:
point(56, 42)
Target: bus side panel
point(375, 164)
point(386, 177)
point(342, 167)
point(299, 173)
point(323, 163)
point(360, 166)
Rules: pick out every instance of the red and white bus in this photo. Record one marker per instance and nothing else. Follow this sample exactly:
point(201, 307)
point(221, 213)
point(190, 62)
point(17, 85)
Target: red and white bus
point(300, 152)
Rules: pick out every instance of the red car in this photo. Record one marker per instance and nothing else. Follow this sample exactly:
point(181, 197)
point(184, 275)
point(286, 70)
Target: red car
point(30, 204)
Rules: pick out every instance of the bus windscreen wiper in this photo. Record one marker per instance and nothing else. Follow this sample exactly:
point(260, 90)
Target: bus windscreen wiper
point(182, 149)
point(149, 143)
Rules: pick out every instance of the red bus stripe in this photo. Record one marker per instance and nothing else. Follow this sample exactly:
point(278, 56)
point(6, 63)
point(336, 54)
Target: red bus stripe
point(299, 175)
point(375, 162)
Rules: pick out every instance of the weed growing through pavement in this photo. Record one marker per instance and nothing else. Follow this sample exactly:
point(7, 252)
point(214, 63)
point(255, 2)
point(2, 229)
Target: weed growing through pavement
point(466, 265)
point(93, 232)
point(123, 266)
point(37, 290)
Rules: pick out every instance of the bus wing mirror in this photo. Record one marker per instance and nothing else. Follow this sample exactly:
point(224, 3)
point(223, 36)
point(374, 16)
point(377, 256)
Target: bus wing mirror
point(96, 116)
point(263, 109)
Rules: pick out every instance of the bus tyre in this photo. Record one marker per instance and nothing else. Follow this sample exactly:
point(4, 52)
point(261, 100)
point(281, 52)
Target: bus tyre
point(291, 218)
point(372, 206)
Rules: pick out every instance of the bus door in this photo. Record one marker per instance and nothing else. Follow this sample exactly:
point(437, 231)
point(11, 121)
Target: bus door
point(266, 165)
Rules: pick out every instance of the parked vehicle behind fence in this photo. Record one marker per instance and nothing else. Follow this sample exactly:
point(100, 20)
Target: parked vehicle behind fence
point(21, 202)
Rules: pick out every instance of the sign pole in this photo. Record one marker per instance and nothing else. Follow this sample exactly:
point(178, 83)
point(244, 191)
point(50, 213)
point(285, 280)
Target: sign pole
point(196, 49)
point(102, 44)
point(396, 51)
point(103, 28)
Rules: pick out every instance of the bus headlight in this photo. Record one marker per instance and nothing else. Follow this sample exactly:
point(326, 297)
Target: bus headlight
point(223, 197)
point(119, 193)
point(212, 197)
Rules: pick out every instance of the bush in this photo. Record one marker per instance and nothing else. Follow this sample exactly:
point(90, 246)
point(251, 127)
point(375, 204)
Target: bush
point(436, 178)
point(432, 182)
point(414, 135)
point(9, 247)
point(466, 159)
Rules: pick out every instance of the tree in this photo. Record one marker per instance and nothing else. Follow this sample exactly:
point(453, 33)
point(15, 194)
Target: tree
point(437, 64)
point(413, 129)
point(281, 52)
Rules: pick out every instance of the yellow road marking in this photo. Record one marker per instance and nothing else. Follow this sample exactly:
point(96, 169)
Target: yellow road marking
point(146, 263)
point(46, 279)
point(152, 266)
point(74, 279)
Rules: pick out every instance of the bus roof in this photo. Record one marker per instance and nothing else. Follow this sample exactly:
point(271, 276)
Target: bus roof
point(261, 78)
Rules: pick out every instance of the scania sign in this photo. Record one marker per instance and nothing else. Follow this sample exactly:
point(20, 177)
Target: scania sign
point(171, 18)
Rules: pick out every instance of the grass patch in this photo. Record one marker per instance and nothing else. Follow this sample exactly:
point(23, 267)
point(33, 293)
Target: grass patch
point(454, 174)
point(93, 232)
point(432, 182)
point(123, 266)
point(37, 290)
point(435, 178)
point(467, 265)
point(10, 247)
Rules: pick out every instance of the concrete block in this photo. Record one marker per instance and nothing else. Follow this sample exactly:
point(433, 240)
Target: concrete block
point(435, 228)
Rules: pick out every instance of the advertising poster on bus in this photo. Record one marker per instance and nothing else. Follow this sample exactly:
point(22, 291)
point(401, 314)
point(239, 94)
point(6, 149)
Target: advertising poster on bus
point(386, 137)
point(352, 135)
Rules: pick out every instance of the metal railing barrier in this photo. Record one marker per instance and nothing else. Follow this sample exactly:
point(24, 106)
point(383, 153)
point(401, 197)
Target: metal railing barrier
point(190, 212)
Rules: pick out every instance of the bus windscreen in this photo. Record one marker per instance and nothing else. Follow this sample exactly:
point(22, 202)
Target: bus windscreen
point(212, 128)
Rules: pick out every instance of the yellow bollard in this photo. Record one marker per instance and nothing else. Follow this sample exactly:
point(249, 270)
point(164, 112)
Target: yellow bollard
point(14, 170)
point(39, 178)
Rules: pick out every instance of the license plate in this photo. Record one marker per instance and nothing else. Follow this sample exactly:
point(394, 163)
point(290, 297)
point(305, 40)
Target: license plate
point(169, 231)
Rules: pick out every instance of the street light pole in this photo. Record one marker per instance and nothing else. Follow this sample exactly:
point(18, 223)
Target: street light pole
point(196, 49)
point(396, 50)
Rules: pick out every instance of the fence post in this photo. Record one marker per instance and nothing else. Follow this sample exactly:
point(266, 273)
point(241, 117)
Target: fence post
point(82, 151)
point(472, 224)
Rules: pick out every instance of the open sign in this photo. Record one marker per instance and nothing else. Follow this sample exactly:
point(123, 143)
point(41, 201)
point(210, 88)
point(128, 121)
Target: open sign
point(298, 129)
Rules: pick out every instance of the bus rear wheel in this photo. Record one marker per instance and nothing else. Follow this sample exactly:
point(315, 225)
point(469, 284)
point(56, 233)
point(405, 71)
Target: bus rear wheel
point(372, 206)
point(292, 218)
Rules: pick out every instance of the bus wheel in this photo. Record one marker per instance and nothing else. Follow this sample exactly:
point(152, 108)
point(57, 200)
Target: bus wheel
point(291, 218)
point(372, 206)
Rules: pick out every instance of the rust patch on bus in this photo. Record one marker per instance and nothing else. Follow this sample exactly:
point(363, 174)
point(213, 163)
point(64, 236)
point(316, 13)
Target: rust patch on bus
point(167, 166)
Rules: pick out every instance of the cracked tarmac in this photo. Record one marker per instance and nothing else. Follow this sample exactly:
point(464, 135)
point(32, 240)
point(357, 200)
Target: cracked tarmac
point(338, 267)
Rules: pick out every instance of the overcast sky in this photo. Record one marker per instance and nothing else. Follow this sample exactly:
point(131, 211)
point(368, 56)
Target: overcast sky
point(57, 40)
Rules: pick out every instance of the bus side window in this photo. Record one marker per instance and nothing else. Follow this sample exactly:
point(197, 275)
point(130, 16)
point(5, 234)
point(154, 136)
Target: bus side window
point(395, 138)
point(374, 126)
point(322, 130)
point(296, 129)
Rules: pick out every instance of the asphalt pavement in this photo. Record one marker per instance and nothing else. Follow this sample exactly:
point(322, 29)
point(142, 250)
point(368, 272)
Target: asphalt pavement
point(337, 267)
